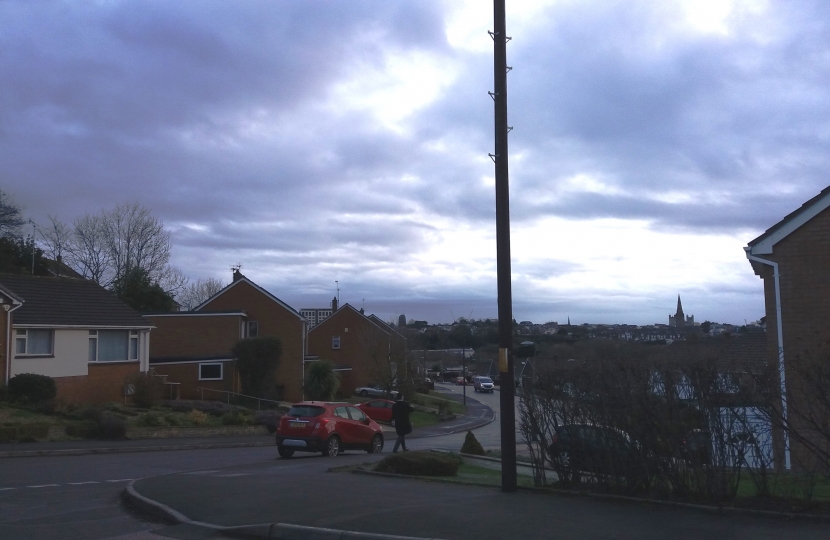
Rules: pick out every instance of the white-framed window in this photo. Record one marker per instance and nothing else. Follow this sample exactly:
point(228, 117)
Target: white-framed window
point(33, 342)
point(335, 342)
point(211, 372)
point(253, 328)
point(113, 345)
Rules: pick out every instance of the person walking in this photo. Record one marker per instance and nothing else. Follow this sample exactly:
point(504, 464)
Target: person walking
point(403, 427)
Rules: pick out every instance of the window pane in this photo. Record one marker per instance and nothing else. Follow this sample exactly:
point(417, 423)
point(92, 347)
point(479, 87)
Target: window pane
point(210, 371)
point(40, 342)
point(133, 348)
point(253, 328)
point(356, 414)
point(20, 346)
point(93, 349)
point(112, 345)
point(305, 411)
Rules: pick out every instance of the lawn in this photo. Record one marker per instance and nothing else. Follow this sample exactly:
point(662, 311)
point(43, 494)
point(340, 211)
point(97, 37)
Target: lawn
point(473, 474)
point(433, 400)
point(422, 419)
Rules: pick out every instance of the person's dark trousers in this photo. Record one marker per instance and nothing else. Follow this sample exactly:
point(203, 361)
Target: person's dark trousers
point(400, 441)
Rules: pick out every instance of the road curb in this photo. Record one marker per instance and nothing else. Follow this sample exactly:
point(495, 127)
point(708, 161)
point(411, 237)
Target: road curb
point(721, 510)
point(272, 531)
point(127, 449)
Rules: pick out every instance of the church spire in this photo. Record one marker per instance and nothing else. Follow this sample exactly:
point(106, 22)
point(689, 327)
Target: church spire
point(679, 305)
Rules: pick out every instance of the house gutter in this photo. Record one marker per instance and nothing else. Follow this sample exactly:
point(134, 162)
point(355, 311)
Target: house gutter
point(8, 340)
point(779, 327)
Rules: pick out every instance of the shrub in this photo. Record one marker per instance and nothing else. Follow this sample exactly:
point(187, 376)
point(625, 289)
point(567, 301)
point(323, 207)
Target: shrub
point(147, 389)
point(198, 418)
point(213, 408)
point(268, 419)
point(420, 464)
point(112, 427)
point(236, 418)
point(86, 430)
point(178, 406)
point(32, 388)
point(322, 381)
point(150, 419)
point(471, 445)
point(24, 432)
point(257, 360)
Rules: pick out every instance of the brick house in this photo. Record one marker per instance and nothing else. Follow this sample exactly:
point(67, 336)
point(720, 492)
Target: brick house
point(793, 257)
point(74, 331)
point(193, 348)
point(366, 345)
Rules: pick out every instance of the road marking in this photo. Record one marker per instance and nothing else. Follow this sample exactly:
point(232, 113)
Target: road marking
point(82, 483)
point(232, 475)
point(6, 489)
point(43, 486)
point(121, 480)
point(201, 472)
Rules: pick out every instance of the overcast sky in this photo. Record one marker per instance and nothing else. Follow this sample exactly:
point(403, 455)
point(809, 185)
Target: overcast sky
point(325, 141)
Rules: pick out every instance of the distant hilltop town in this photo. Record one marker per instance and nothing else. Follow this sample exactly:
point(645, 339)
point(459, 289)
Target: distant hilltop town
point(680, 326)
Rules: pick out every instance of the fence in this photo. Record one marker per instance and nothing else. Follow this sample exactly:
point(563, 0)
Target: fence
point(235, 397)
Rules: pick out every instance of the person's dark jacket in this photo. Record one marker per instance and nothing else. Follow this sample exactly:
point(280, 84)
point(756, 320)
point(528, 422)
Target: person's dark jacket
point(400, 414)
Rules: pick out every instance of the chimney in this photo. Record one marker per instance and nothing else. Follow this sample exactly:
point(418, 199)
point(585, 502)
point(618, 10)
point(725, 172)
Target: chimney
point(334, 304)
point(59, 262)
point(237, 275)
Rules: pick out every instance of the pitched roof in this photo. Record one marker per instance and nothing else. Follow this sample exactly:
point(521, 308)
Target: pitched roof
point(241, 279)
point(386, 325)
point(763, 244)
point(382, 326)
point(52, 301)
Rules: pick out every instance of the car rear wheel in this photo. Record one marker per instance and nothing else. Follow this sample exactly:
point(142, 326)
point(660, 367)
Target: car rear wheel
point(285, 452)
point(364, 393)
point(332, 446)
point(377, 445)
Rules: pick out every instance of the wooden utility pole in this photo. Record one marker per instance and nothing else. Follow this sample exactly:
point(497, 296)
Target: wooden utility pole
point(505, 301)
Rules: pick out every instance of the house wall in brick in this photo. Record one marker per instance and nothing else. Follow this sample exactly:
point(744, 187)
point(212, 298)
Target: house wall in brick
point(4, 346)
point(187, 375)
point(803, 258)
point(274, 320)
point(363, 346)
point(104, 383)
point(190, 335)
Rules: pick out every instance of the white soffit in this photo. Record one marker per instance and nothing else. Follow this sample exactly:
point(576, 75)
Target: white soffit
point(764, 247)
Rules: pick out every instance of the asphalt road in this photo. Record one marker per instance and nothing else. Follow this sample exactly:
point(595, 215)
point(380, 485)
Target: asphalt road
point(79, 497)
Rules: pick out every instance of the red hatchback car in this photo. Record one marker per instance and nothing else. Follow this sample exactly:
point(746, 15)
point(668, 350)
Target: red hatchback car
point(318, 426)
point(378, 409)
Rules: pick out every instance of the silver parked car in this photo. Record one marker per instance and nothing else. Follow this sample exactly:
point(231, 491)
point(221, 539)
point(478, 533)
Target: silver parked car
point(375, 390)
point(483, 384)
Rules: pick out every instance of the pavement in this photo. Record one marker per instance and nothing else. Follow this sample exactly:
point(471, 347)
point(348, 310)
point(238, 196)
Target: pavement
point(304, 499)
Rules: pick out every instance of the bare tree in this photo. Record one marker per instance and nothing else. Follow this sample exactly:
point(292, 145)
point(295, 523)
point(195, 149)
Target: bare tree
point(88, 253)
point(196, 293)
point(135, 239)
point(174, 281)
point(10, 216)
point(56, 238)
